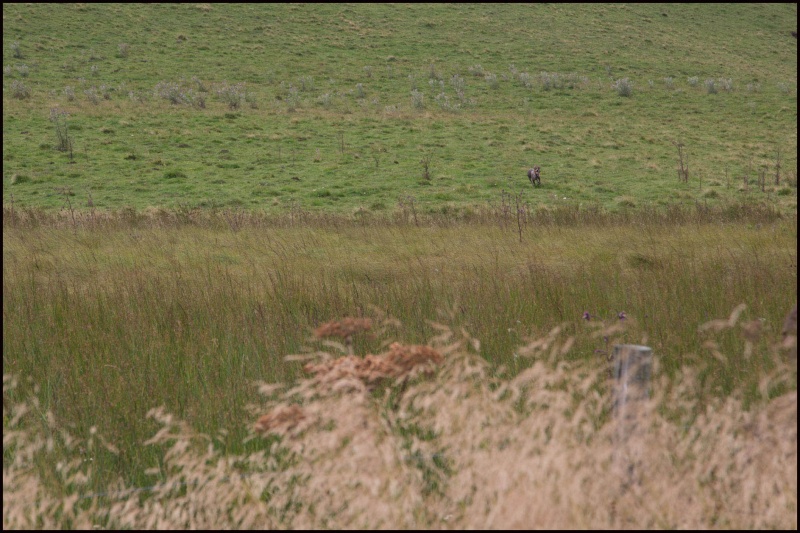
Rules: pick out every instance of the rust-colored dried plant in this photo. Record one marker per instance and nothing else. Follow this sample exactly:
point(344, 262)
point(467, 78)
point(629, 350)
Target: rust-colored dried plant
point(400, 361)
point(344, 328)
point(282, 419)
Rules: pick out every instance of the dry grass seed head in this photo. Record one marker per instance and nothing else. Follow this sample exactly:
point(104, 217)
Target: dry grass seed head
point(282, 419)
point(344, 328)
point(399, 362)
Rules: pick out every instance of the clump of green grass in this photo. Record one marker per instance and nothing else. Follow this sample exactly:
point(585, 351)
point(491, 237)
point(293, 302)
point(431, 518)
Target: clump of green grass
point(174, 174)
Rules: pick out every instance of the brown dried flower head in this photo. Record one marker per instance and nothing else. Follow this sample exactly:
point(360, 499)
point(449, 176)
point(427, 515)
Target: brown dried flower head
point(398, 362)
point(281, 419)
point(344, 328)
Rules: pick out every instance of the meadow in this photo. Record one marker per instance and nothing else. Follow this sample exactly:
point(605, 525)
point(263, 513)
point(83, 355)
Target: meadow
point(337, 107)
point(279, 266)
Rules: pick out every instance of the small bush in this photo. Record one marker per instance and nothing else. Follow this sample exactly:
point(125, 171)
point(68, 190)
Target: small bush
point(16, 51)
point(173, 92)
point(233, 95)
point(711, 86)
point(59, 120)
point(457, 82)
point(92, 95)
point(624, 87)
point(476, 70)
point(306, 83)
point(417, 99)
point(433, 74)
point(199, 101)
point(19, 90)
point(360, 90)
point(547, 80)
point(325, 100)
point(555, 80)
point(693, 81)
point(69, 93)
point(445, 103)
point(138, 97)
point(491, 80)
point(199, 84)
point(292, 99)
point(726, 84)
point(123, 49)
point(669, 82)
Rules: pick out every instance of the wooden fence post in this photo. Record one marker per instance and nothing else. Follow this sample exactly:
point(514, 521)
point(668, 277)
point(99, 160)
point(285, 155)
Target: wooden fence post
point(631, 374)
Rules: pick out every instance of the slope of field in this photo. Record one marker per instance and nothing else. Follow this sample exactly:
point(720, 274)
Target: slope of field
point(360, 107)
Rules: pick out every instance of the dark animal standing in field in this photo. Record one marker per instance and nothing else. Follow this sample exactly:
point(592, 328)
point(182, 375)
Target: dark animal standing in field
point(533, 175)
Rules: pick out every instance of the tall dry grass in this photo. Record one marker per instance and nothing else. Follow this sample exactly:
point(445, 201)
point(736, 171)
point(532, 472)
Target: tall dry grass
point(459, 447)
point(108, 316)
point(500, 213)
point(111, 321)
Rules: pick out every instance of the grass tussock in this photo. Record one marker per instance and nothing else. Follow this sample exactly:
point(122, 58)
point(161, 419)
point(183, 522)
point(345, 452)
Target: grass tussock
point(461, 447)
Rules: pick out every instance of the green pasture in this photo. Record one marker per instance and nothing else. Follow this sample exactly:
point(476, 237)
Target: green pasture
point(334, 107)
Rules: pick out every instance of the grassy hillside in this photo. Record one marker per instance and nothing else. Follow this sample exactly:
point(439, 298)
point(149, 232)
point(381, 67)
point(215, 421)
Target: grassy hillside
point(333, 107)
